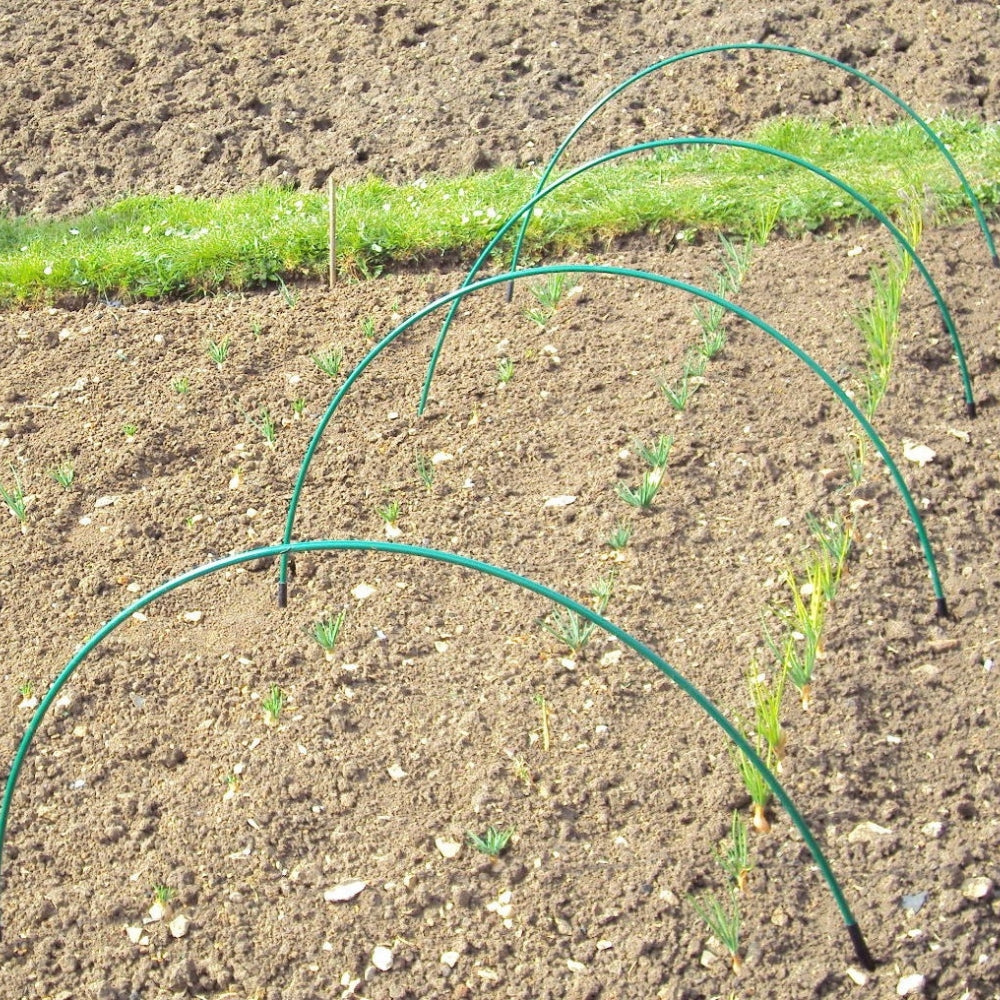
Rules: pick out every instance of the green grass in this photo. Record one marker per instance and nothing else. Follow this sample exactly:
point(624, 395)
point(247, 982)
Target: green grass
point(172, 245)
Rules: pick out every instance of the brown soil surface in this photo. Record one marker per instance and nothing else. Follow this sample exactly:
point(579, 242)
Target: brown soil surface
point(103, 99)
point(425, 721)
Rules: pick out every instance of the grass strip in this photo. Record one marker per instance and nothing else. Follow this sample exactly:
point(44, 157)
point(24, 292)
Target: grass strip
point(152, 246)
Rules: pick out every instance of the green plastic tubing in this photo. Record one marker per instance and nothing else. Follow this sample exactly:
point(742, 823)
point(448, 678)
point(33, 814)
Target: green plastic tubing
point(766, 47)
point(458, 293)
point(525, 212)
point(352, 545)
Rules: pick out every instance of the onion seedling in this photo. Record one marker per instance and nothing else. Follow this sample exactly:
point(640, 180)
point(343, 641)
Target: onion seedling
point(273, 704)
point(620, 537)
point(645, 494)
point(548, 295)
point(218, 351)
point(298, 407)
point(368, 328)
point(327, 631)
point(723, 921)
point(181, 385)
point(130, 431)
point(492, 843)
point(678, 394)
point(570, 627)
point(657, 454)
point(26, 689)
point(767, 700)
point(63, 474)
point(264, 423)
point(425, 470)
point(757, 788)
point(13, 496)
point(389, 513)
point(505, 371)
point(329, 361)
point(735, 859)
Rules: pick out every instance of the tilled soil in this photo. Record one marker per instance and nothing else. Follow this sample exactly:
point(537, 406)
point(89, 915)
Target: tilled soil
point(155, 766)
point(425, 723)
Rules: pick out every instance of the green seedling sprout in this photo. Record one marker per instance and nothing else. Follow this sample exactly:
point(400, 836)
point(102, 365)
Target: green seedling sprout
point(63, 474)
point(735, 858)
point(620, 537)
point(265, 424)
point(218, 351)
point(389, 513)
point(643, 496)
point(181, 385)
point(327, 631)
point(273, 704)
point(767, 699)
point(657, 454)
point(723, 921)
point(368, 328)
point(13, 496)
point(298, 406)
point(163, 894)
point(757, 788)
point(835, 536)
point(492, 843)
point(26, 689)
point(678, 394)
point(425, 470)
point(130, 431)
point(329, 361)
point(505, 371)
point(570, 627)
point(548, 295)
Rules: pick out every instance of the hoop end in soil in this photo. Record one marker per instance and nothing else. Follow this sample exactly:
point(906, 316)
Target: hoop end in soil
point(282, 595)
point(970, 409)
point(941, 611)
point(860, 948)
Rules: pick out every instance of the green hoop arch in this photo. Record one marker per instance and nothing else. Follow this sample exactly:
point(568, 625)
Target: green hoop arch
point(353, 545)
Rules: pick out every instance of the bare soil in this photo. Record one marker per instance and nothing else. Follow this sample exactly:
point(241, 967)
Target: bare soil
point(425, 723)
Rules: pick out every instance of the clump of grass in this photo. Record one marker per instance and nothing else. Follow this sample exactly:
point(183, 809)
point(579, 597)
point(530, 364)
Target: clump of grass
point(330, 361)
point(492, 843)
point(723, 920)
point(327, 631)
point(13, 495)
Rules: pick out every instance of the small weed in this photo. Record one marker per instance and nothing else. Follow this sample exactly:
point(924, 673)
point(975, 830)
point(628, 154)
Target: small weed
point(218, 351)
point(26, 689)
point(505, 371)
point(181, 385)
point(368, 328)
point(63, 474)
point(130, 431)
point(544, 714)
point(273, 704)
point(723, 921)
point(327, 631)
point(163, 894)
point(290, 295)
point(621, 536)
point(644, 496)
point(492, 843)
point(329, 361)
point(389, 512)
point(425, 470)
point(735, 859)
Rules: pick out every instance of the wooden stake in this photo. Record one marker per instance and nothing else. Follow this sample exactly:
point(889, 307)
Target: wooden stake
point(331, 190)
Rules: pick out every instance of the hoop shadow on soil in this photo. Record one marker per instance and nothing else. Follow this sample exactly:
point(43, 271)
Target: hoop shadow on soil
point(728, 48)
point(941, 605)
point(525, 211)
point(354, 545)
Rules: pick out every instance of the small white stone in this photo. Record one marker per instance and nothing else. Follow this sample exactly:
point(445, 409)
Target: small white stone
point(919, 453)
point(575, 966)
point(440, 457)
point(858, 976)
point(382, 958)
point(362, 591)
point(193, 616)
point(865, 833)
point(450, 958)
point(134, 932)
point(933, 829)
point(911, 985)
point(179, 926)
point(345, 891)
point(978, 887)
point(448, 848)
point(563, 500)
point(396, 772)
